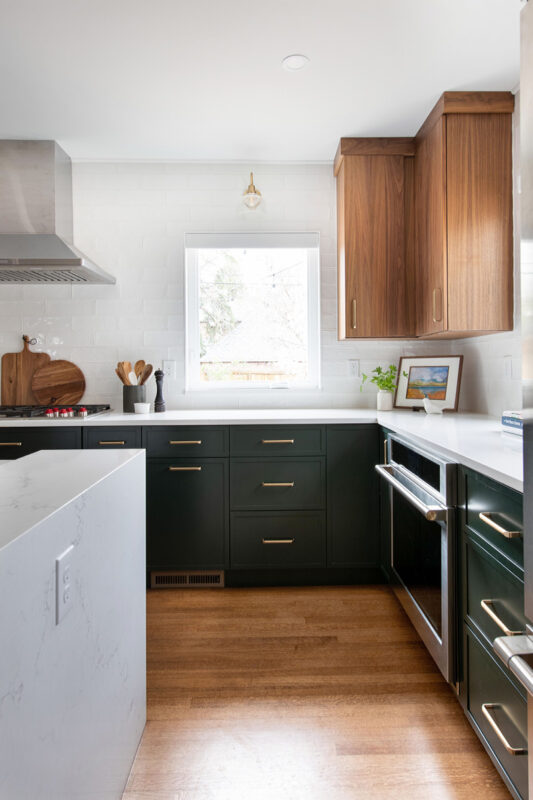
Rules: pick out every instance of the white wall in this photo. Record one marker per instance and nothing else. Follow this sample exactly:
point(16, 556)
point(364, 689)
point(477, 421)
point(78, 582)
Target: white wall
point(131, 217)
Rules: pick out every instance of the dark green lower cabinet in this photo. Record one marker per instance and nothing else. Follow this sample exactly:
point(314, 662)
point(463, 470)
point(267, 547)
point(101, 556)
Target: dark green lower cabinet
point(491, 588)
point(491, 695)
point(18, 442)
point(277, 539)
point(352, 496)
point(187, 513)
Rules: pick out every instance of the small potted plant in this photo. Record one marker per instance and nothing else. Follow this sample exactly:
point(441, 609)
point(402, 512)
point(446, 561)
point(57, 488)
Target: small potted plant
point(385, 380)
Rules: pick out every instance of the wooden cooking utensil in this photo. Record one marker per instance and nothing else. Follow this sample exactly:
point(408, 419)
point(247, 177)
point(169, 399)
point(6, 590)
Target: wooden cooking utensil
point(124, 376)
point(133, 378)
point(139, 366)
point(147, 371)
point(17, 372)
point(58, 383)
point(120, 375)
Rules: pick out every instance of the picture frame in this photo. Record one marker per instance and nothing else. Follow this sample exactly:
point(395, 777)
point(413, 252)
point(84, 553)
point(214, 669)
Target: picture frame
point(435, 377)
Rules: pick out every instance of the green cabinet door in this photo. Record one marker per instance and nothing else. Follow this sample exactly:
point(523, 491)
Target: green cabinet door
point(499, 711)
point(352, 496)
point(187, 513)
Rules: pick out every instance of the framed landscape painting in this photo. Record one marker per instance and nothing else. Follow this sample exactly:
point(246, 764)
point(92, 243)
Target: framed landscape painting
point(436, 377)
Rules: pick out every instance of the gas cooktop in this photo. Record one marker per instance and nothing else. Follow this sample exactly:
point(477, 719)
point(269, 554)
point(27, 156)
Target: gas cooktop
point(41, 411)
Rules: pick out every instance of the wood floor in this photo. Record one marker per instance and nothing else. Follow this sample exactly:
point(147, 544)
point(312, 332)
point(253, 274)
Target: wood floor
point(299, 694)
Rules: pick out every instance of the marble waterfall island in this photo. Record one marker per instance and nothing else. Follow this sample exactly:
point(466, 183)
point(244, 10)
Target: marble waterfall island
point(72, 623)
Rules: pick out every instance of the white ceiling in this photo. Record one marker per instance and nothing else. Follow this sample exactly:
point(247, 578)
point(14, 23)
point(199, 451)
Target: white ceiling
point(202, 79)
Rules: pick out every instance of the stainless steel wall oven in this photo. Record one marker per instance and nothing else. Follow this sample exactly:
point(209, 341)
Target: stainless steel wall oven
point(422, 489)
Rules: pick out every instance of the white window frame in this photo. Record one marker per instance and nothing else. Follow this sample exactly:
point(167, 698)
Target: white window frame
point(201, 241)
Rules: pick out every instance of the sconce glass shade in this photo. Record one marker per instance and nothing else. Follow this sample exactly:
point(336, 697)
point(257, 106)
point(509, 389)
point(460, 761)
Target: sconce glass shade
point(252, 196)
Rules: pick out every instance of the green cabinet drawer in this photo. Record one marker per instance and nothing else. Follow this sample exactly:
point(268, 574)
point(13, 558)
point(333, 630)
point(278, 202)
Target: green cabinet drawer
point(187, 513)
point(106, 437)
point(277, 483)
point(491, 510)
point(277, 440)
point(270, 540)
point(491, 589)
point(17, 442)
point(491, 692)
point(185, 441)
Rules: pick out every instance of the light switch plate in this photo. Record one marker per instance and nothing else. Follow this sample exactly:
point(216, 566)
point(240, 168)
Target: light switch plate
point(354, 368)
point(169, 368)
point(64, 586)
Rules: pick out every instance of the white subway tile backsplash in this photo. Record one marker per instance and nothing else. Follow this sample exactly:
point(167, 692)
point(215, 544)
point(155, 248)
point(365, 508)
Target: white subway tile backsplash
point(162, 338)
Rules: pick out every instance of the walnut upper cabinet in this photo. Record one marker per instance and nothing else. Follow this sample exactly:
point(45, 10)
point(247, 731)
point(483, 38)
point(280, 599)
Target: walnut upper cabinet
point(424, 225)
point(375, 210)
point(464, 225)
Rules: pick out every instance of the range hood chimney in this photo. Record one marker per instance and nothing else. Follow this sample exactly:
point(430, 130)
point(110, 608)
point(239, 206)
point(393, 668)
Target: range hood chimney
point(36, 217)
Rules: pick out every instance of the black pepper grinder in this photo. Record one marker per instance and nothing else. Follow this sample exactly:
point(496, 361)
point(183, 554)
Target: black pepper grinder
point(159, 402)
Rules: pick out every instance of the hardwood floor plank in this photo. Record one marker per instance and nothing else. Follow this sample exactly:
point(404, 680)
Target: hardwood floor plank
point(299, 694)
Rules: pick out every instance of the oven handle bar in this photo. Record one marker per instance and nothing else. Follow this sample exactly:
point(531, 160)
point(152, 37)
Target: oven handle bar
point(432, 513)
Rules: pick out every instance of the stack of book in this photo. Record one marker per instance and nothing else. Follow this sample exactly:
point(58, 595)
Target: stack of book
point(513, 422)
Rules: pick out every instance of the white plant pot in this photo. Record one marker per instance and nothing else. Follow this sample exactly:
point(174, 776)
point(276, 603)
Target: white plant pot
point(384, 400)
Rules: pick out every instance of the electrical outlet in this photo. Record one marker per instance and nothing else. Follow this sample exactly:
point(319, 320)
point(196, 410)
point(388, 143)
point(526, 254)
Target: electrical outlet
point(354, 368)
point(64, 590)
point(169, 368)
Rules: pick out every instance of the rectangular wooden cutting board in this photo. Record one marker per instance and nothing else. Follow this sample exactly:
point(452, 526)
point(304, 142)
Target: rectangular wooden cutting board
point(17, 372)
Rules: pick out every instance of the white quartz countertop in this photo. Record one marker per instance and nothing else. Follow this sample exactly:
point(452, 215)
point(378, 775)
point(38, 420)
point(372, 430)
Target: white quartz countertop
point(474, 440)
point(34, 487)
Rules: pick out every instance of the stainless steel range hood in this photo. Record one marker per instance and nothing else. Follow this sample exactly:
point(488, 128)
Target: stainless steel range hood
point(36, 217)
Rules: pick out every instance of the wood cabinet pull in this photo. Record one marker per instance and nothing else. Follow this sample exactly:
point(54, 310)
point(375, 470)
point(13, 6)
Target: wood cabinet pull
point(486, 517)
point(354, 314)
point(184, 469)
point(278, 541)
point(111, 442)
point(288, 484)
point(277, 441)
point(10, 444)
point(437, 317)
point(185, 441)
point(486, 708)
point(486, 605)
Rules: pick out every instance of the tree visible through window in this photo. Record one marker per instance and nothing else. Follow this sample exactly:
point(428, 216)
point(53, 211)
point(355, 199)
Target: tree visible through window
point(249, 316)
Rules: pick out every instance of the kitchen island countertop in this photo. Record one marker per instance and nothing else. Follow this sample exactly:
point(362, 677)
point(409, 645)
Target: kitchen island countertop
point(35, 487)
point(474, 440)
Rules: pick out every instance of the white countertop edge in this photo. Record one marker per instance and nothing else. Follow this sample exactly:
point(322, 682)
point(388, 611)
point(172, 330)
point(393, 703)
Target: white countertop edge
point(474, 440)
point(35, 487)
point(510, 474)
point(208, 417)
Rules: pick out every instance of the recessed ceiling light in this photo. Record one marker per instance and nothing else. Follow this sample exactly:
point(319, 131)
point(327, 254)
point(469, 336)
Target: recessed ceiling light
point(295, 62)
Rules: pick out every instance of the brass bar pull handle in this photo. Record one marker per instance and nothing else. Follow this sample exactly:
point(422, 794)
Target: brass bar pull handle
point(288, 484)
point(111, 442)
point(486, 605)
point(486, 708)
point(354, 314)
point(385, 459)
point(486, 517)
point(437, 317)
point(277, 441)
point(185, 441)
point(184, 469)
point(277, 541)
point(10, 444)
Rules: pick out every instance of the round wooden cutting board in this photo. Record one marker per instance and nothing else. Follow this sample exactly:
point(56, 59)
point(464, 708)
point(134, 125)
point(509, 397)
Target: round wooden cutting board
point(58, 383)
